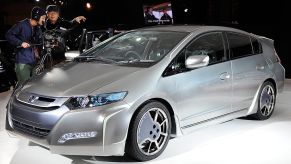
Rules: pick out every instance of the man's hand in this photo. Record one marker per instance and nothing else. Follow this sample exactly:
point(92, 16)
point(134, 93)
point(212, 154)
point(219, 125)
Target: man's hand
point(79, 19)
point(25, 45)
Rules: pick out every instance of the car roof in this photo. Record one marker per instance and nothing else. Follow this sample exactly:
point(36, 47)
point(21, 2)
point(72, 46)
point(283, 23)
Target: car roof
point(191, 28)
point(180, 28)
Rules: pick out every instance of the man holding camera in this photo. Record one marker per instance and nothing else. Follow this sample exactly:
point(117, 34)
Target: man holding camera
point(55, 22)
point(23, 35)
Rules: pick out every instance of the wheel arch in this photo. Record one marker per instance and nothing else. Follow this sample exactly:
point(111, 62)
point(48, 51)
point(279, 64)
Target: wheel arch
point(271, 80)
point(174, 119)
point(253, 107)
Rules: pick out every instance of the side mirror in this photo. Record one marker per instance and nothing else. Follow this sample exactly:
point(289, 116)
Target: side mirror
point(197, 61)
point(70, 55)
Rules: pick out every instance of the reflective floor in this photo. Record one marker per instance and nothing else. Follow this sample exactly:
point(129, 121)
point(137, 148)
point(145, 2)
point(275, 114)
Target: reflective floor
point(239, 141)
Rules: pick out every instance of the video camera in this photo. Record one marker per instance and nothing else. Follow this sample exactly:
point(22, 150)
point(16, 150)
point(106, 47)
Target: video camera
point(54, 38)
point(51, 39)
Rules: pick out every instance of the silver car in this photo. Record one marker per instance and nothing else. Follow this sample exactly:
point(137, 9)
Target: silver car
point(133, 92)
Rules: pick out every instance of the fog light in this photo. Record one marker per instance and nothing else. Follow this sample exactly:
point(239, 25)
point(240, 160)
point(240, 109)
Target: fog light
point(76, 135)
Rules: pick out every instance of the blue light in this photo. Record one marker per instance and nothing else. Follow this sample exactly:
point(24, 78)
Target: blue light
point(102, 99)
point(107, 98)
point(116, 96)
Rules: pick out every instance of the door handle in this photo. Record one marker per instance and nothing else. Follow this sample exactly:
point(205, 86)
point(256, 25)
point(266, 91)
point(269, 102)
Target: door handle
point(224, 76)
point(260, 67)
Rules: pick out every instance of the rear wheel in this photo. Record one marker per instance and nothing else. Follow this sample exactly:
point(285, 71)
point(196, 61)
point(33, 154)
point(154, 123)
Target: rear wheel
point(149, 132)
point(266, 101)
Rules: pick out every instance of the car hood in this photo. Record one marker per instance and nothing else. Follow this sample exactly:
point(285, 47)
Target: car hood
point(76, 79)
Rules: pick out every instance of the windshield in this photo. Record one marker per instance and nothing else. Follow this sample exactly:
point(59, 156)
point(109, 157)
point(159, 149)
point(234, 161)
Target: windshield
point(135, 47)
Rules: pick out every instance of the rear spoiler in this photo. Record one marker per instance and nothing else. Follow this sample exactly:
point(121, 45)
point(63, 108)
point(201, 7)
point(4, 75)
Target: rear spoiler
point(269, 42)
point(266, 40)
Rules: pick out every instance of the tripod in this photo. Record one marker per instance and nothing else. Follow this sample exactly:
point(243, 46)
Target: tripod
point(51, 39)
point(39, 68)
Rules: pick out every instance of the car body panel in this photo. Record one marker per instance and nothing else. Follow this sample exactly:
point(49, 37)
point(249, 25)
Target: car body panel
point(195, 98)
point(246, 79)
point(67, 80)
point(191, 93)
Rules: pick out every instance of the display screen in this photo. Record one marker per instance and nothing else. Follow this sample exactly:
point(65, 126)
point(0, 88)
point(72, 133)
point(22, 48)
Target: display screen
point(158, 14)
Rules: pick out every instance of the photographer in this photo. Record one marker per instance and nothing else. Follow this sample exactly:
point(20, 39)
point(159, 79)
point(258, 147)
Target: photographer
point(23, 35)
point(54, 22)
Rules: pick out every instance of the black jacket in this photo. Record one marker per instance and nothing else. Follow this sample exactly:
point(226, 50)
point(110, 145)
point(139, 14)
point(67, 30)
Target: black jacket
point(60, 24)
point(65, 26)
point(166, 19)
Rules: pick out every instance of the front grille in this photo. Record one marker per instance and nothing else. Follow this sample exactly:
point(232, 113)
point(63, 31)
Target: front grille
point(29, 129)
point(44, 109)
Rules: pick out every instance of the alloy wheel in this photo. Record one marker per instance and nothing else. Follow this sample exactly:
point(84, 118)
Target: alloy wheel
point(267, 100)
point(152, 131)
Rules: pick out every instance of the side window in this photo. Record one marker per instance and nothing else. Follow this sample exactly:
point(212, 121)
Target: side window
point(239, 45)
point(256, 46)
point(209, 44)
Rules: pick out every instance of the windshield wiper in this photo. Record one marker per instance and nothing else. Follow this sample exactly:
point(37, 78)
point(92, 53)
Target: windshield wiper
point(93, 58)
point(136, 61)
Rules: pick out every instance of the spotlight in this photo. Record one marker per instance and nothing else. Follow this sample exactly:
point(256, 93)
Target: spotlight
point(88, 5)
point(37, 0)
point(186, 10)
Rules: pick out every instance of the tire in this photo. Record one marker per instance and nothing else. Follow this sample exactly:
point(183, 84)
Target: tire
point(266, 101)
point(150, 126)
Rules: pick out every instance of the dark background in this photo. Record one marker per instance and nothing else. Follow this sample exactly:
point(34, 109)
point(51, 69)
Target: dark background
point(266, 18)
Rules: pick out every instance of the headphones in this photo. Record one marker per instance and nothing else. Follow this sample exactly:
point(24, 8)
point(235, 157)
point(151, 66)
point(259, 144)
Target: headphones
point(37, 12)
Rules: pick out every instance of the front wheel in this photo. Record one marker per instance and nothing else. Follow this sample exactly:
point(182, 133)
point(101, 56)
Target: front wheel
point(266, 101)
point(149, 132)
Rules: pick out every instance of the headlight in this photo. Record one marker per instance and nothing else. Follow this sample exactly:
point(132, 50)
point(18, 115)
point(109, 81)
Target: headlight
point(99, 100)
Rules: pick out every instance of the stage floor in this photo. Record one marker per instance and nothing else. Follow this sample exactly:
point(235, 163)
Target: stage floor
point(239, 141)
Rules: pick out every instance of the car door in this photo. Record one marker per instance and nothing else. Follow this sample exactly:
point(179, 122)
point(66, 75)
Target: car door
point(248, 69)
point(205, 92)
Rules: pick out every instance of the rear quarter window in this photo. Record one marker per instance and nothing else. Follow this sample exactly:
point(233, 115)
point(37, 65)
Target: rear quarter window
point(257, 47)
point(239, 45)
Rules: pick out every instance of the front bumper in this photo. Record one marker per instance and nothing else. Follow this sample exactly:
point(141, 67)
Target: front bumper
point(46, 127)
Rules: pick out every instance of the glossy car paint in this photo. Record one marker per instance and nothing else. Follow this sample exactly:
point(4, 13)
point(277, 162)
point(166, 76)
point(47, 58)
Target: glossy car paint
point(200, 97)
